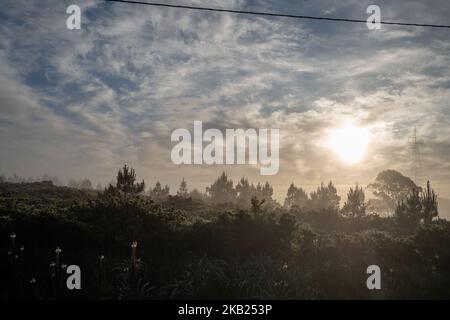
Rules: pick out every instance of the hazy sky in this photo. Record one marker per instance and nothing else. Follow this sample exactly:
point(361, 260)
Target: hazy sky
point(81, 103)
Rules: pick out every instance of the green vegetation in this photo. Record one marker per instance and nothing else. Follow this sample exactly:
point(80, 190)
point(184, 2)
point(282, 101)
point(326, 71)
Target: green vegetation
point(233, 242)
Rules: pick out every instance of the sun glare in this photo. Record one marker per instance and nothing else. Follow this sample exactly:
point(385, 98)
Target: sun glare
point(349, 143)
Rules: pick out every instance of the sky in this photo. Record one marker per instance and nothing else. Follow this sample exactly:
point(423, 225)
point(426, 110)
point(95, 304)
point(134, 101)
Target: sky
point(81, 103)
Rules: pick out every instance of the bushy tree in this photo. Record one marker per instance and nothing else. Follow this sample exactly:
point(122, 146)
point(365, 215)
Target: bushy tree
point(183, 191)
point(390, 187)
point(409, 210)
point(325, 197)
point(256, 205)
point(222, 191)
point(267, 193)
point(196, 194)
point(295, 197)
point(244, 192)
point(417, 206)
point(158, 193)
point(355, 206)
point(126, 182)
point(429, 204)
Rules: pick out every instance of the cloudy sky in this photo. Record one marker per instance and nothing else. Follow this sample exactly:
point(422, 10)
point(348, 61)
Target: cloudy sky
point(80, 103)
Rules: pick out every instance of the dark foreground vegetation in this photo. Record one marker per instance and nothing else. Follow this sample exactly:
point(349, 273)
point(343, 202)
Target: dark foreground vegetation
point(135, 245)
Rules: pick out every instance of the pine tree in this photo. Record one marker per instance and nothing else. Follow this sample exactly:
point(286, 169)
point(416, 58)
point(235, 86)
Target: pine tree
point(417, 206)
point(222, 190)
point(159, 194)
point(295, 197)
point(126, 181)
point(183, 191)
point(267, 192)
point(196, 194)
point(429, 204)
point(325, 197)
point(244, 192)
point(355, 206)
point(409, 211)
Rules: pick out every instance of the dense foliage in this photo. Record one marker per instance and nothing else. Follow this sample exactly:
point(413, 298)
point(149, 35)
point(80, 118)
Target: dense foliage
point(131, 247)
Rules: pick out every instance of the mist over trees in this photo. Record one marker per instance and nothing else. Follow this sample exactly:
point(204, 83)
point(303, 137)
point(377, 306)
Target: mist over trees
point(296, 197)
point(15, 178)
point(389, 188)
point(393, 195)
point(355, 206)
point(222, 190)
point(183, 191)
point(158, 193)
point(84, 184)
point(417, 206)
point(233, 241)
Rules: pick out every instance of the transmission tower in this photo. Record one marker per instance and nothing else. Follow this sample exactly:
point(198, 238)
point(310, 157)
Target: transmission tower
point(416, 159)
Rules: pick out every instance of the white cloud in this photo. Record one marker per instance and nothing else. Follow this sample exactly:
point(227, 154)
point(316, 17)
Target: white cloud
point(115, 90)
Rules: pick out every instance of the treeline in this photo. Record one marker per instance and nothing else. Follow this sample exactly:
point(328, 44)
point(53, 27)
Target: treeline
point(393, 195)
point(82, 184)
point(15, 178)
point(130, 246)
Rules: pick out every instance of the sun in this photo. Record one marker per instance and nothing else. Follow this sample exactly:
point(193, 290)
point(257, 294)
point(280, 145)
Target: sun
point(349, 143)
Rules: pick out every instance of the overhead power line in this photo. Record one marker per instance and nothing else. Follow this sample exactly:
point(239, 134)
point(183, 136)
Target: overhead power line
point(271, 14)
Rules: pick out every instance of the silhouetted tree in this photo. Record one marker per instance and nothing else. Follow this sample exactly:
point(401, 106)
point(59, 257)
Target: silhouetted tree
point(256, 205)
point(295, 197)
point(183, 191)
point(409, 210)
point(244, 192)
point(126, 181)
point(196, 194)
point(222, 191)
point(159, 194)
point(267, 193)
point(417, 206)
point(355, 206)
point(390, 187)
point(429, 204)
point(325, 197)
